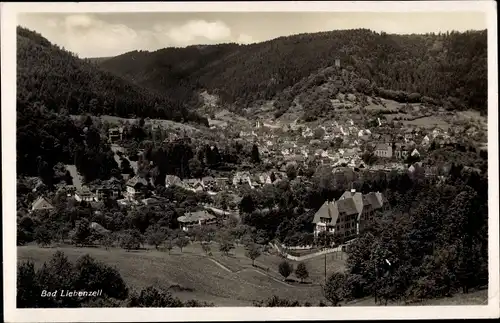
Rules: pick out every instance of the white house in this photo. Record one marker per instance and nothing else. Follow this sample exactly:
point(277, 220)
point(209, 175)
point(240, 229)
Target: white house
point(425, 141)
point(134, 186)
point(84, 195)
point(41, 204)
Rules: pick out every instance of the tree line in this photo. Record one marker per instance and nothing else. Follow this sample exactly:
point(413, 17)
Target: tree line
point(60, 80)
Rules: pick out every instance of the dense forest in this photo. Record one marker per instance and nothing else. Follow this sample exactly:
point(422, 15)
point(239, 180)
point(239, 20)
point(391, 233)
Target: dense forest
point(60, 81)
point(449, 68)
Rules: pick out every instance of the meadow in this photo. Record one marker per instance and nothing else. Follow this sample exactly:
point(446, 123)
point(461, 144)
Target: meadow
point(220, 279)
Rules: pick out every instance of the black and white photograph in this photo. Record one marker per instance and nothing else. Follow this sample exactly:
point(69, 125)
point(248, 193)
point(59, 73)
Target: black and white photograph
point(233, 157)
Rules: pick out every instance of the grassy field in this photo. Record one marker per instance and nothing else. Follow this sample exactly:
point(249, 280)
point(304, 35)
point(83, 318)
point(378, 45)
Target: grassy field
point(196, 276)
point(222, 280)
point(428, 122)
point(165, 124)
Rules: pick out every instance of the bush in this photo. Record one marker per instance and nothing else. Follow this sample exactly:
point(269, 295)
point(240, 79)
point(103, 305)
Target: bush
point(301, 271)
point(285, 269)
point(43, 235)
point(152, 297)
point(131, 240)
point(59, 274)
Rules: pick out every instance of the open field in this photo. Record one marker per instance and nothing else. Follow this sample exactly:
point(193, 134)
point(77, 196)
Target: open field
point(428, 122)
point(222, 280)
point(165, 124)
point(196, 276)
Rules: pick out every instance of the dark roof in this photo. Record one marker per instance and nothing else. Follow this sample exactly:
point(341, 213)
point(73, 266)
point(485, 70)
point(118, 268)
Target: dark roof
point(374, 200)
point(346, 206)
point(172, 179)
point(328, 211)
point(382, 147)
point(196, 216)
point(137, 180)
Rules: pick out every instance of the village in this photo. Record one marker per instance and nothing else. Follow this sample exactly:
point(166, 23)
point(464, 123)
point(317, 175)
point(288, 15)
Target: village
point(330, 168)
point(351, 151)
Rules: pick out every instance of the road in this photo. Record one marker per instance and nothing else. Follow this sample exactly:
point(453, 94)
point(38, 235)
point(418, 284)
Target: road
point(77, 182)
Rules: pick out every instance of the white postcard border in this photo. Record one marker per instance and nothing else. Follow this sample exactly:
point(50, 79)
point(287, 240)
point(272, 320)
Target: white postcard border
point(8, 77)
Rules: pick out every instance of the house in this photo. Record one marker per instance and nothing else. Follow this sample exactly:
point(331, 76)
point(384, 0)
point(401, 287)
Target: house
point(193, 184)
point(364, 134)
point(108, 189)
point(264, 178)
point(209, 183)
point(415, 153)
point(172, 180)
point(409, 133)
point(115, 134)
point(84, 195)
point(135, 186)
point(102, 193)
point(151, 201)
point(70, 190)
point(401, 151)
point(99, 228)
point(383, 150)
point(366, 205)
point(349, 215)
point(242, 178)
point(199, 218)
point(222, 183)
point(41, 204)
point(425, 141)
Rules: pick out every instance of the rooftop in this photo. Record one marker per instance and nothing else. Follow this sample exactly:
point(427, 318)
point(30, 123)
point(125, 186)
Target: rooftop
point(196, 216)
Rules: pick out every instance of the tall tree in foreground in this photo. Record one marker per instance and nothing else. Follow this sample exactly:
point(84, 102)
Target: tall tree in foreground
point(334, 288)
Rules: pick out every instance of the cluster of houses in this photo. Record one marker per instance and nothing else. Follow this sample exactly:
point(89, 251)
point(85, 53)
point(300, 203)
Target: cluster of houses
point(213, 185)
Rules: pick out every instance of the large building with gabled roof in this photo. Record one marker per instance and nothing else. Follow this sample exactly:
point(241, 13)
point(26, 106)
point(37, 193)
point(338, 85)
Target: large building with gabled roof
point(349, 215)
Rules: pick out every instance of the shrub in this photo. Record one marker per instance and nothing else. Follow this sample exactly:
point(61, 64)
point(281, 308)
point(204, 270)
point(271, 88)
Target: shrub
point(285, 269)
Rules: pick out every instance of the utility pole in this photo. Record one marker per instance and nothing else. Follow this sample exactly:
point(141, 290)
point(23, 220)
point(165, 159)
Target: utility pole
point(325, 268)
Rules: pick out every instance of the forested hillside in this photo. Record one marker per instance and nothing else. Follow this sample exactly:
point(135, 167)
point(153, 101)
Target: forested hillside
point(58, 79)
point(451, 68)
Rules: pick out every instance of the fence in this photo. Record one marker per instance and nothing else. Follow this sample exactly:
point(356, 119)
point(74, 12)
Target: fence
point(305, 257)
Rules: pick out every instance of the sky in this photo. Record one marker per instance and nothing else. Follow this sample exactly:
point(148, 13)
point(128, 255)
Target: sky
point(111, 34)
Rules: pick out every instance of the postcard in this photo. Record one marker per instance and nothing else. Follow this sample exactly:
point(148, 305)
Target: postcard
point(266, 160)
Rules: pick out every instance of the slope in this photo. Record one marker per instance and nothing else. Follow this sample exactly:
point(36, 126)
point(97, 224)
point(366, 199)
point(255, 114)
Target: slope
point(451, 68)
point(61, 81)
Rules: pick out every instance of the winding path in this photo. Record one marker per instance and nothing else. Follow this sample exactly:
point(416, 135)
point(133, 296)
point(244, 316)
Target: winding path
point(249, 269)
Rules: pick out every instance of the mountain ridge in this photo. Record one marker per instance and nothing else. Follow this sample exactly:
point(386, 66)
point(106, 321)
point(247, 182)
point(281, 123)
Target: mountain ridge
point(448, 68)
point(60, 80)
